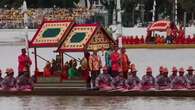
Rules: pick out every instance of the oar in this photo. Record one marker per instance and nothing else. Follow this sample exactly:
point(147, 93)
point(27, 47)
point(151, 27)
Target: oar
point(41, 57)
point(72, 57)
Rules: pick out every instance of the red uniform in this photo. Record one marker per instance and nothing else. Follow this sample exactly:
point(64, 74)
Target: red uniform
point(136, 40)
point(189, 40)
point(115, 61)
point(142, 40)
point(24, 61)
point(125, 64)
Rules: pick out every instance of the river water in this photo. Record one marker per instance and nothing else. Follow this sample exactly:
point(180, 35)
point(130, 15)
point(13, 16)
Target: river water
point(95, 103)
point(141, 57)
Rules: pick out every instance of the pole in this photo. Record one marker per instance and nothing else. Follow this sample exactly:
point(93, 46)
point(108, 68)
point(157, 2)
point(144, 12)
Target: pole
point(119, 19)
point(185, 16)
point(40, 57)
point(176, 19)
point(72, 57)
point(133, 17)
point(62, 59)
point(25, 21)
point(26, 40)
point(35, 55)
point(153, 11)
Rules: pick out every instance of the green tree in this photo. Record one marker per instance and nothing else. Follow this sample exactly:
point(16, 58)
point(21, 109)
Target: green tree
point(110, 5)
point(189, 6)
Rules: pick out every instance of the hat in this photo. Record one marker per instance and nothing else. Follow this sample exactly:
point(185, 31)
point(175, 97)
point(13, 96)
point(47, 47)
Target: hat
point(174, 69)
point(11, 70)
point(181, 69)
point(131, 65)
point(161, 69)
point(105, 68)
point(190, 68)
point(165, 70)
point(149, 69)
point(133, 70)
point(7, 70)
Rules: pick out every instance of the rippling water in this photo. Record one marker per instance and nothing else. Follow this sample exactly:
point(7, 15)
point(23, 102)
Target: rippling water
point(95, 103)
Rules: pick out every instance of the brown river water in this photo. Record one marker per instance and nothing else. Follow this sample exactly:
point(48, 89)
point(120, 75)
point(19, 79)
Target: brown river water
point(95, 103)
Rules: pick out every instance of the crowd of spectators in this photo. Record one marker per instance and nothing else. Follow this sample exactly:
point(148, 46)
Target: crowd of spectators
point(14, 18)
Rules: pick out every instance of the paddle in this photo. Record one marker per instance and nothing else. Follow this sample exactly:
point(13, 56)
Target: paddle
point(41, 57)
point(72, 57)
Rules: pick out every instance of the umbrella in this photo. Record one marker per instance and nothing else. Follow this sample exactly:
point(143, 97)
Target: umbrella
point(161, 25)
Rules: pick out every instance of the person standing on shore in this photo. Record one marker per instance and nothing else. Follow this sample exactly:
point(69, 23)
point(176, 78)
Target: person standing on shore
point(1, 79)
point(24, 63)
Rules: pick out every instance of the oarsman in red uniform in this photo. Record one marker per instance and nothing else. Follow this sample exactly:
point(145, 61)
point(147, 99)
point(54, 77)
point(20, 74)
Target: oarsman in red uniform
point(47, 70)
point(103, 81)
point(163, 81)
point(158, 39)
point(148, 81)
point(128, 40)
point(190, 77)
point(162, 41)
point(180, 81)
point(193, 39)
point(124, 40)
point(9, 81)
point(188, 40)
point(136, 40)
point(124, 62)
point(174, 74)
point(1, 79)
point(64, 74)
point(142, 41)
point(161, 71)
point(24, 63)
point(131, 40)
point(24, 82)
point(115, 62)
point(118, 82)
point(133, 80)
point(181, 36)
